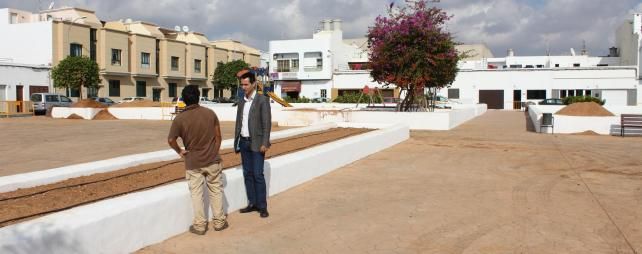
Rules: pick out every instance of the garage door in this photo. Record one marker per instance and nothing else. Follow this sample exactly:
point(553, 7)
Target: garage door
point(38, 89)
point(493, 98)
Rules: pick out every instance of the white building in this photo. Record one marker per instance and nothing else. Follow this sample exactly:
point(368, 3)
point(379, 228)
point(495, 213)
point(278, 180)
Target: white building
point(18, 81)
point(330, 63)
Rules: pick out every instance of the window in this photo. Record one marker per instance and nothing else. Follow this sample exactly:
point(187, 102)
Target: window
point(172, 90)
point(14, 18)
point(92, 92)
point(64, 99)
point(144, 60)
point(51, 98)
point(312, 61)
point(557, 65)
point(92, 44)
point(174, 63)
point(324, 93)
point(287, 62)
point(36, 97)
point(536, 94)
point(453, 93)
point(563, 94)
point(571, 93)
point(114, 88)
point(540, 66)
point(197, 65)
point(579, 92)
point(75, 49)
point(74, 92)
point(576, 65)
point(115, 56)
point(587, 92)
point(141, 89)
point(515, 66)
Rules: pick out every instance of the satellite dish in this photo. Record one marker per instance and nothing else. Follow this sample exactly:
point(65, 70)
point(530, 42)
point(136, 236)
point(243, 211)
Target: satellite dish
point(177, 28)
point(51, 5)
point(185, 29)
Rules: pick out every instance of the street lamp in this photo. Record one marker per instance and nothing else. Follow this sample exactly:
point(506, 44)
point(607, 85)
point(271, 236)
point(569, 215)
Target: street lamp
point(69, 29)
point(68, 32)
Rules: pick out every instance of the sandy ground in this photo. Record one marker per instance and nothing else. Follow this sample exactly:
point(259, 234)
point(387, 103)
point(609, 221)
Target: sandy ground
point(36, 143)
point(489, 186)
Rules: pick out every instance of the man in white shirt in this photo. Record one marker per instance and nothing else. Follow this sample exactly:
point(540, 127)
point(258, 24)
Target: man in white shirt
point(252, 140)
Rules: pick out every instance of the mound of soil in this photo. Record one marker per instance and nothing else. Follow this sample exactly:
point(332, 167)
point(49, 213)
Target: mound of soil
point(138, 104)
point(104, 115)
point(589, 133)
point(88, 104)
point(584, 109)
point(74, 116)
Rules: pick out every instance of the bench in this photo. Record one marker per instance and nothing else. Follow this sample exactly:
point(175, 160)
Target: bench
point(630, 121)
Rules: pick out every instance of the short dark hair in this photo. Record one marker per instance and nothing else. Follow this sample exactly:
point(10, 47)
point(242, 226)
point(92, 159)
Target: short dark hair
point(191, 94)
point(249, 75)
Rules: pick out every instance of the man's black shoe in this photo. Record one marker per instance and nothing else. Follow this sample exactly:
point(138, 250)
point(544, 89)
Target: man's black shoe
point(248, 209)
point(264, 213)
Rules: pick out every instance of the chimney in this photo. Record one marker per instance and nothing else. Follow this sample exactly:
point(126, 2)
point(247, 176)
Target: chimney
point(510, 52)
point(326, 25)
point(336, 25)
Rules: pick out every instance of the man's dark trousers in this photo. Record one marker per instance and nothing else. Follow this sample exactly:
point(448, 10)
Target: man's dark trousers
point(255, 186)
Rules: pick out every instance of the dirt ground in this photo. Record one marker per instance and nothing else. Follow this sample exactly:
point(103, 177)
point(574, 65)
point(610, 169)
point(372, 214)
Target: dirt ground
point(488, 186)
point(29, 203)
point(37, 143)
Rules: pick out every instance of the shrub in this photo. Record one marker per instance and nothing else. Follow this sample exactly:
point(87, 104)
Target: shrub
point(574, 99)
point(297, 100)
point(354, 98)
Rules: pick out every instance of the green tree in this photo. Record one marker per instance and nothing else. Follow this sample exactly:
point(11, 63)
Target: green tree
point(225, 75)
point(75, 72)
point(412, 50)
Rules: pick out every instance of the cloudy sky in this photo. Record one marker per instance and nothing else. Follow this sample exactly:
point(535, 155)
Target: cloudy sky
point(527, 26)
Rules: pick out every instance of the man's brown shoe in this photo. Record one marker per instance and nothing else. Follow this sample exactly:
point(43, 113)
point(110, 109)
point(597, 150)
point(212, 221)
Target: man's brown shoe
point(224, 226)
point(197, 232)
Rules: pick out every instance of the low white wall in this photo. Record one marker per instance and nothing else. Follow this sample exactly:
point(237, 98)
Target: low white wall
point(47, 176)
point(64, 112)
point(130, 222)
point(563, 124)
point(142, 113)
point(438, 120)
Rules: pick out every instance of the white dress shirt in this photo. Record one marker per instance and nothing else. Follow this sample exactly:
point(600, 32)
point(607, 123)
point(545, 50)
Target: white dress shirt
point(245, 128)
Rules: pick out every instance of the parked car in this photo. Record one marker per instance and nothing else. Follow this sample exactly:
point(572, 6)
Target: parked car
point(553, 101)
point(443, 102)
point(221, 100)
point(130, 99)
point(45, 101)
point(104, 100)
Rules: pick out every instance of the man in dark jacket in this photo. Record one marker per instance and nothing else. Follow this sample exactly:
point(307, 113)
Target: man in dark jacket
point(252, 140)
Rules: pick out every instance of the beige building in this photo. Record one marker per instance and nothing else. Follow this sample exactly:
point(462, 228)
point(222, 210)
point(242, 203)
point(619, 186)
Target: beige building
point(135, 58)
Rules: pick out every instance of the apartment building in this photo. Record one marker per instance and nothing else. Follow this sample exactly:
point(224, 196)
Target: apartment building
point(135, 58)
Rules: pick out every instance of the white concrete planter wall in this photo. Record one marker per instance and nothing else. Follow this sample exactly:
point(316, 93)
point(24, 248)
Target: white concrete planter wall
point(605, 125)
point(64, 112)
point(438, 120)
point(142, 113)
point(127, 223)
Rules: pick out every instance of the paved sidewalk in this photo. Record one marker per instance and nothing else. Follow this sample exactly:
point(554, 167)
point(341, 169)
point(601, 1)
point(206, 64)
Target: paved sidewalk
point(488, 186)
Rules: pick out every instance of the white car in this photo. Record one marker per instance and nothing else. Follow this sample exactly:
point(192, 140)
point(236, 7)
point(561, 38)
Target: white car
point(130, 99)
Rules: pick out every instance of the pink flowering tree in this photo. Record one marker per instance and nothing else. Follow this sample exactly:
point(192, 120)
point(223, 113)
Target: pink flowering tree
point(411, 49)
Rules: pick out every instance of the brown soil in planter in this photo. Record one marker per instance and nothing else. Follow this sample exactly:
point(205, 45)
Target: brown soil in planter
point(29, 203)
point(88, 104)
point(104, 115)
point(590, 133)
point(137, 104)
point(584, 109)
point(74, 116)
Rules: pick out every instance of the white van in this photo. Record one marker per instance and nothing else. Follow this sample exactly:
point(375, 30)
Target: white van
point(45, 101)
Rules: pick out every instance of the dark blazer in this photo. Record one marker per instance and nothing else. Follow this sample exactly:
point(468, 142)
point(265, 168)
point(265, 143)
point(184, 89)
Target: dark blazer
point(260, 122)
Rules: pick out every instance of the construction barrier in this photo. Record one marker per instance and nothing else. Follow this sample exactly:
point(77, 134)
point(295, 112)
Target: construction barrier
point(16, 108)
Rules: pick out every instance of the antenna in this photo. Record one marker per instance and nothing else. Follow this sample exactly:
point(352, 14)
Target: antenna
point(584, 51)
point(185, 29)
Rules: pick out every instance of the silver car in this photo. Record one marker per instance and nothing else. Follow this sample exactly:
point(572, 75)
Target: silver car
point(45, 101)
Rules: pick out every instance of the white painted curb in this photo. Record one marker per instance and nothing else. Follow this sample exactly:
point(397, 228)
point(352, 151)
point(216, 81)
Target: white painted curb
point(47, 176)
point(128, 223)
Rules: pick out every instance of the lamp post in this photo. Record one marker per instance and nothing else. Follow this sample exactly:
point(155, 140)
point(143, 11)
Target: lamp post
point(69, 29)
point(71, 24)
